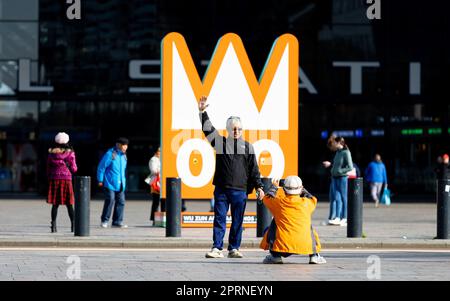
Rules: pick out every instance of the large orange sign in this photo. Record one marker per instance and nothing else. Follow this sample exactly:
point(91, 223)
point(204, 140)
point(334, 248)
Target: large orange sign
point(268, 109)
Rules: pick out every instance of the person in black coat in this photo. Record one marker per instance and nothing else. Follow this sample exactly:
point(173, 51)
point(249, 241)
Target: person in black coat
point(236, 175)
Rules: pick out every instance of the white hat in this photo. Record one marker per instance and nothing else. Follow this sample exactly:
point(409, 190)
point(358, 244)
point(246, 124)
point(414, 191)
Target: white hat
point(62, 138)
point(293, 185)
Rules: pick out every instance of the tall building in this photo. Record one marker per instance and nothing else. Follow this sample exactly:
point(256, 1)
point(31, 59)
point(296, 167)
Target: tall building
point(379, 83)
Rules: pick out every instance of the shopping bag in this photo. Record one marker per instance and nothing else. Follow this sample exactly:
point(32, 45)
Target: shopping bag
point(386, 197)
point(155, 184)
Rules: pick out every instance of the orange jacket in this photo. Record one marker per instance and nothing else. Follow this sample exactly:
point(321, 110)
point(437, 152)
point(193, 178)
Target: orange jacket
point(292, 215)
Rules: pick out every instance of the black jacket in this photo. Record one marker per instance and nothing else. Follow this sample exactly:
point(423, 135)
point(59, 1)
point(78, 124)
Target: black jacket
point(236, 165)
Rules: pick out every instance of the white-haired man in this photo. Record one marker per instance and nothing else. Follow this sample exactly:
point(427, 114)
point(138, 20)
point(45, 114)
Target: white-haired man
point(236, 175)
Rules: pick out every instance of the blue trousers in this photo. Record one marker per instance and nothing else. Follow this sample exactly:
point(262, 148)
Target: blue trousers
point(116, 200)
point(223, 199)
point(338, 197)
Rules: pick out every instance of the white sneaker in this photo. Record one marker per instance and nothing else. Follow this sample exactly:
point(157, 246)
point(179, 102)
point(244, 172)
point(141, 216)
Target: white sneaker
point(215, 253)
point(272, 260)
point(334, 222)
point(343, 222)
point(235, 254)
point(104, 225)
point(317, 259)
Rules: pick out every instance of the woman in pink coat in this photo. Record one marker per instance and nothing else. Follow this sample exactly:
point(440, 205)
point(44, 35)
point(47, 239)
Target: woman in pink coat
point(61, 165)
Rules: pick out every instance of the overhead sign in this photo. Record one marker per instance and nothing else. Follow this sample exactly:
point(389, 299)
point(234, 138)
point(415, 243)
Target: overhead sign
point(268, 109)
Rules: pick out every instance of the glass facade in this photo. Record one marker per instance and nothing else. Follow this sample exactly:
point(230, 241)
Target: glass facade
point(380, 83)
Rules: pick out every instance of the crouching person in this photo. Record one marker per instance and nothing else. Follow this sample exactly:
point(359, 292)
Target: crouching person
point(291, 231)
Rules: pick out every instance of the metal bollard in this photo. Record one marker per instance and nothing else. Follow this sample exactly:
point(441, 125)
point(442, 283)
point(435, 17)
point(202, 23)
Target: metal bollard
point(443, 199)
point(263, 215)
point(82, 204)
point(355, 207)
point(173, 207)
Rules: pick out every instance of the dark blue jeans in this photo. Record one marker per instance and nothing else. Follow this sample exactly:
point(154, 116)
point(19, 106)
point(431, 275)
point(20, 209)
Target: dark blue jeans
point(223, 199)
point(114, 199)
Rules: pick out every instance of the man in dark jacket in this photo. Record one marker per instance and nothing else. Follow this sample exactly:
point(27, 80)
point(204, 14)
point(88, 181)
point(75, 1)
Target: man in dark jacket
point(236, 175)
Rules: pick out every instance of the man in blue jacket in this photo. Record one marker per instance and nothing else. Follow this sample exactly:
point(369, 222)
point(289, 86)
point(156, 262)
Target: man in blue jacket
point(375, 174)
point(111, 177)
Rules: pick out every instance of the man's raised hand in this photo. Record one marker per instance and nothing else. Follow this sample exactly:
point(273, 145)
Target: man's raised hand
point(202, 104)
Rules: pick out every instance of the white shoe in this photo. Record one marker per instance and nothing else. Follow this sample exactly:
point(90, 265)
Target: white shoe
point(317, 259)
point(215, 253)
point(235, 254)
point(334, 222)
point(343, 222)
point(104, 225)
point(272, 260)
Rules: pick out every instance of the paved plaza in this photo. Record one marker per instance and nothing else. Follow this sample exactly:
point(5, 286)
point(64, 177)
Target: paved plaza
point(191, 265)
point(26, 223)
point(399, 245)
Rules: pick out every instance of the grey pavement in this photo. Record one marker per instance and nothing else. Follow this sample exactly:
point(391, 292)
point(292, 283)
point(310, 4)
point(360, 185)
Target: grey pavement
point(26, 223)
point(191, 265)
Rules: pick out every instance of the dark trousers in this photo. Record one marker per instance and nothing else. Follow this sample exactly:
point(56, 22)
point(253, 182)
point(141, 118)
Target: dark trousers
point(116, 200)
point(224, 198)
point(155, 204)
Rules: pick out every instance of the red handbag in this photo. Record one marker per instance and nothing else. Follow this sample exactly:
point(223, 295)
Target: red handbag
point(155, 184)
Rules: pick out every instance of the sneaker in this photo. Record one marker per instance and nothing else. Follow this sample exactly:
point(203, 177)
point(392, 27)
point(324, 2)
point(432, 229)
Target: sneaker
point(235, 254)
point(334, 222)
point(215, 253)
point(104, 225)
point(122, 226)
point(272, 260)
point(343, 222)
point(317, 259)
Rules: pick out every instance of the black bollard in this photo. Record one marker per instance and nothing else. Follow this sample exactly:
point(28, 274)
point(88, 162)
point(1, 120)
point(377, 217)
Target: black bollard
point(263, 215)
point(82, 204)
point(443, 199)
point(173, 207)
point(355, 207)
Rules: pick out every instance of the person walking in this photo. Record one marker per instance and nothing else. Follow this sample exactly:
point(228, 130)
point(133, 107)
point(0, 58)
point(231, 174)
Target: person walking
point(341, 167)
point(111, 178)
point(375, 175)
point(154, 166)
point(291, 231)
point(61, 164)
point(236, 175)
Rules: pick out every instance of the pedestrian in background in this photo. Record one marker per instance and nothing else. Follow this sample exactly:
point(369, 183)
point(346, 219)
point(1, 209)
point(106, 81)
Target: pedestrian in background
point(341, 167)
point(332, 209)
point(443, 169)
point(154, 165)
point(291, 231)
point(375, 175)
point(236, 175)
point(111, 178)
point(61, 164)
